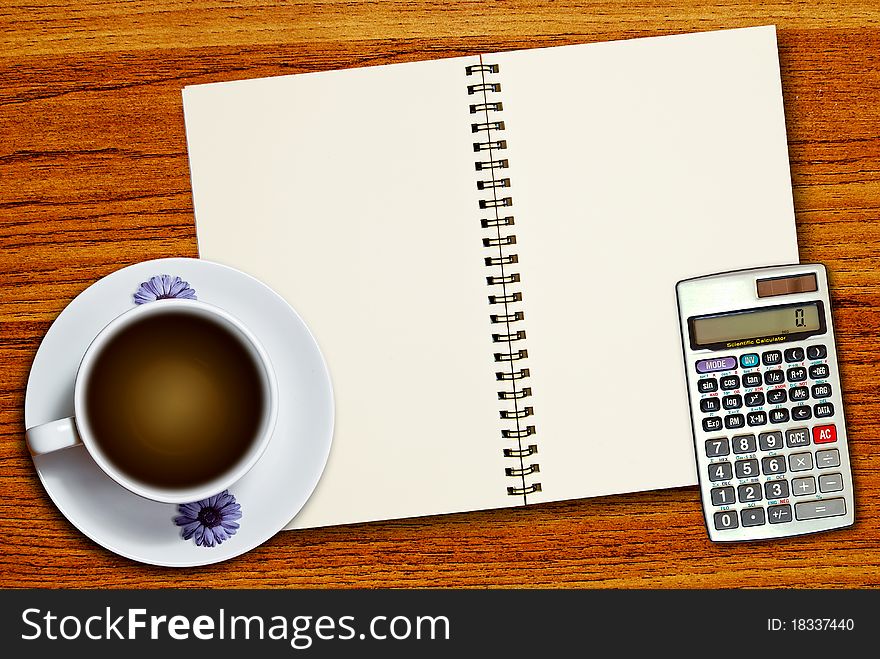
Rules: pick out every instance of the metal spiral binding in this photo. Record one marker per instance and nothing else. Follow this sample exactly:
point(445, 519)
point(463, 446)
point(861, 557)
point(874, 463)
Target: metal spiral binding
point(488, 126)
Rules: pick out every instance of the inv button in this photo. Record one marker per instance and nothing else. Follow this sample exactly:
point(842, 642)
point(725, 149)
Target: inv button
point(819, 509)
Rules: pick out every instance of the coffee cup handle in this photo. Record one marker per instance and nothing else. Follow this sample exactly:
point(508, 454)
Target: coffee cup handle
point(52, 436)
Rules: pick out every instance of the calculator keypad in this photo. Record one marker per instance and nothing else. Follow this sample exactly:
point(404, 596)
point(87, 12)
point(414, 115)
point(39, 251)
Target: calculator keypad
point(772, 474)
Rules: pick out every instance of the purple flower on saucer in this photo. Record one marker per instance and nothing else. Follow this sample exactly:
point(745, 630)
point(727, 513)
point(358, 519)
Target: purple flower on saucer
point(163, 287)
point(210, 521)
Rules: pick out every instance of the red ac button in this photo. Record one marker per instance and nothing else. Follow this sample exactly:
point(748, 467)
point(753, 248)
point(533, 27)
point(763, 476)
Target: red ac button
point(824, 434)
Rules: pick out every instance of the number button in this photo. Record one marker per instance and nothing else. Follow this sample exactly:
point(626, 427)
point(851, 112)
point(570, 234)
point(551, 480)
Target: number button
point(707, 385)
point(711, 423)
point(722, 496)
point(803, 487)
point(824, 434)
point(725, 521)
point(774, 465)
point(755, 399)
point(828, 458)
point(797, 437)
point(749, 361)
point(819, 371)
point(830, 483)
point(729, 382)
point(801, 413)
point(733, 402)
point(823, 410)
point(771, 358)
point(749, 493)
point(717, 447)
point(821, 390)
point(779, 416)
point(794, 355)
point(744, 444)
point(817, 352)
point(720, 471)
point(798, 394)
point(770, 441)
point(776, 396)
point(776, 489)
point(774, 377)
point(779, 514)
point(734, 421)
point(752, 380)
point(800, 461)
point(752, 516)
point(710, 405)
point(746, 468)
point(796, 374)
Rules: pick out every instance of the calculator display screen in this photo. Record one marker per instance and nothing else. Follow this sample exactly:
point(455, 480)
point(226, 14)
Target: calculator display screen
point(748, 327)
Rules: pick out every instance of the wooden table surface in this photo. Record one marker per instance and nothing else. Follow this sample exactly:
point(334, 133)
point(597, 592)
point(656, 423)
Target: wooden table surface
point(94, 176)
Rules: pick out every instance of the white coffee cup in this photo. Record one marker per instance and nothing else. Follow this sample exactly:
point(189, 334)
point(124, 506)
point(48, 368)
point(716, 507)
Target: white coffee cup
point(77, 430)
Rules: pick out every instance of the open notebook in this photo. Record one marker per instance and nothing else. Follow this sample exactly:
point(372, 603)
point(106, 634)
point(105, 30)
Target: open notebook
point(486, 250)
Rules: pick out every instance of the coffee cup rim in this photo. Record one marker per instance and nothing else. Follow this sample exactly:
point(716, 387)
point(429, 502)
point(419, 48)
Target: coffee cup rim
point(221, 482)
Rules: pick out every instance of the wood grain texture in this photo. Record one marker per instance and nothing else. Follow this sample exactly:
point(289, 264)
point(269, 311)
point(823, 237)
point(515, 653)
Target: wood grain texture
point(94, 176)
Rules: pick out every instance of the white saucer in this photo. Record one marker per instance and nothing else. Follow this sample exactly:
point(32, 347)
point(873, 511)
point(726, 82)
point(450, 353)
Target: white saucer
point(271, 494)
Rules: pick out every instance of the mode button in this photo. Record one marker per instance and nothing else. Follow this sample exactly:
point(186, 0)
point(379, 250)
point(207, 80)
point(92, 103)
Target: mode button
point(716, 364)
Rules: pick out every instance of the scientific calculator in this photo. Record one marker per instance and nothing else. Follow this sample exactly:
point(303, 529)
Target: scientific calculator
point(765, 401)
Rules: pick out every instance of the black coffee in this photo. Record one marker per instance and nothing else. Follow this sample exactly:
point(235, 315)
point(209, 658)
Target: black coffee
point(174, 400)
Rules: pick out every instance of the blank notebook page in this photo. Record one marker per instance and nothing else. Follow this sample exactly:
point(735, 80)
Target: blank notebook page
point(351, 193)
point(637, 164)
